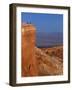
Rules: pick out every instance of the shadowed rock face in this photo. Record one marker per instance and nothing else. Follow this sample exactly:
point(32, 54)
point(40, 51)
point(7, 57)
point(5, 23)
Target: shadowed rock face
point(39, 61)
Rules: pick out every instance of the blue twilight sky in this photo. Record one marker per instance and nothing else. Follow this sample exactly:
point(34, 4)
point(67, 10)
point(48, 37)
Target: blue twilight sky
point(44, 22)
point(49, 28)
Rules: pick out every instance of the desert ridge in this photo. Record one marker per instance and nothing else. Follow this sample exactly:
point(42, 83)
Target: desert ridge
point(48, 63)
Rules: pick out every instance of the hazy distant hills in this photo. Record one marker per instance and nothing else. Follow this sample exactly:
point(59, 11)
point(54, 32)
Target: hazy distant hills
point(48, 39)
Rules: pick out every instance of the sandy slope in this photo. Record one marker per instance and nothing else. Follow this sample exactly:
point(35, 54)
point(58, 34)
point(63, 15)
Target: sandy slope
point(48, 65)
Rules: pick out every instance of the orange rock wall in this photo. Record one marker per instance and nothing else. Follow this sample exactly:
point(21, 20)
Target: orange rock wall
point(28, 52)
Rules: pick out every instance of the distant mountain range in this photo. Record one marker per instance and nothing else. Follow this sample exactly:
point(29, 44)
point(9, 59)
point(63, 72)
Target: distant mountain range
point(49, 39)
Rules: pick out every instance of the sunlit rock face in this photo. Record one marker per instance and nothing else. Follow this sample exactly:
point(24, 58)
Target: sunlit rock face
point(28, 39)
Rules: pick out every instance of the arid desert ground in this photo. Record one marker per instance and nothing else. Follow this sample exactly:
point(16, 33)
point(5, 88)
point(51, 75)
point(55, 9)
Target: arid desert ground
point(50, 60)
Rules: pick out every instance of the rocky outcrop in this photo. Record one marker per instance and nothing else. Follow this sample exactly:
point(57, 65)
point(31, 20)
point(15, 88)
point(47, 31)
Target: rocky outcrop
point(48, 65)
point(29, 66)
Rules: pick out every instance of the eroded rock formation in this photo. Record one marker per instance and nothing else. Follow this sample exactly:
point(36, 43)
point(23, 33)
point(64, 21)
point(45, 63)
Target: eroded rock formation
point(29, 66)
